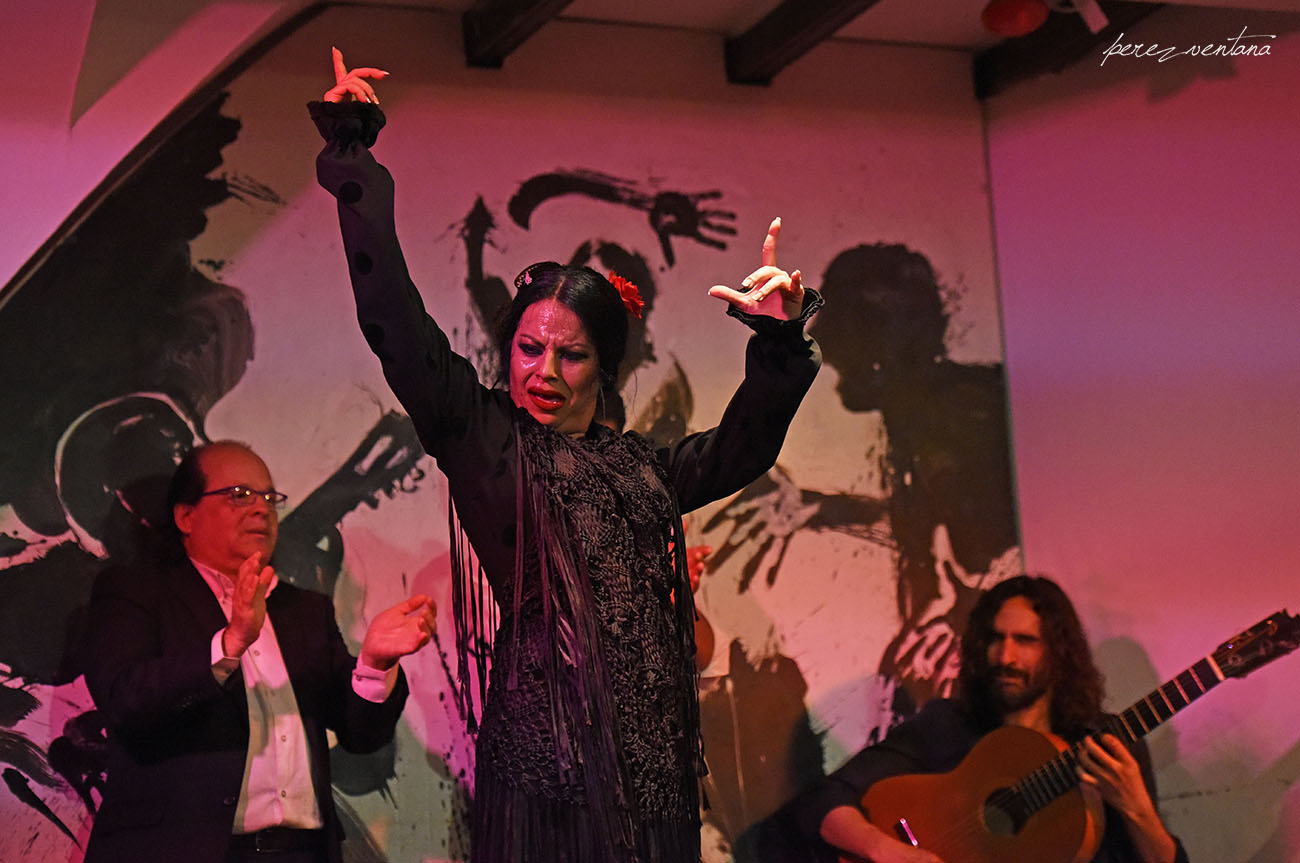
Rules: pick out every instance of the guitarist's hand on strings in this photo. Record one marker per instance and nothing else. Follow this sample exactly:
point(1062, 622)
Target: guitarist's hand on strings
point(1106, 765)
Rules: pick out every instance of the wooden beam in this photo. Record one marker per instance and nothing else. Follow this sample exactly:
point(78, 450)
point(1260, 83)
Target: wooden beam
point(494, 29)
point(784, 35)
point(1061, 42)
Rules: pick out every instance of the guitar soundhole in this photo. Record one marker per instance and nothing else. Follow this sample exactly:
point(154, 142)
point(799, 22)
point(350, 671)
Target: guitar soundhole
point(998, 820)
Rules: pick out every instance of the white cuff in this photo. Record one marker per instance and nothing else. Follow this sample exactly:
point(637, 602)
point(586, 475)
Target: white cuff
point(222, 666)
point(373, 684)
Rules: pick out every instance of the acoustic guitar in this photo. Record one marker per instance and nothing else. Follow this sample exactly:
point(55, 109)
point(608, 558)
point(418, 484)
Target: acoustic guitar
point(1016, 796)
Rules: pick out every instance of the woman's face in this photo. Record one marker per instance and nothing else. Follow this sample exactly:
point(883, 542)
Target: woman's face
point(554, 372)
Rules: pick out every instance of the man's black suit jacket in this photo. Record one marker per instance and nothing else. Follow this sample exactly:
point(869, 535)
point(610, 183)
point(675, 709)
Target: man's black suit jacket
point(177, 739)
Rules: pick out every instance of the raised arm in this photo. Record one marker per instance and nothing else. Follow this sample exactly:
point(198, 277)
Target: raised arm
point(780, 364)
point(459, 421)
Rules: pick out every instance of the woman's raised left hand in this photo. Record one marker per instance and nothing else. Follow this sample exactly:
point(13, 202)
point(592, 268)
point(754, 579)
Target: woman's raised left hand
point(769, 290)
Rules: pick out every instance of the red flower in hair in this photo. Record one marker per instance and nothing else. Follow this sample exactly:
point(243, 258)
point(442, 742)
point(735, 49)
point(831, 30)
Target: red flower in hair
point(631, 296)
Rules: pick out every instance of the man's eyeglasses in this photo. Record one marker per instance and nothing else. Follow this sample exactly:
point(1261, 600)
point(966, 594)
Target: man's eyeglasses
point(243, 496)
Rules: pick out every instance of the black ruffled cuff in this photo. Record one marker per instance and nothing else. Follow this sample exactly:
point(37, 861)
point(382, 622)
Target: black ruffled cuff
point(347, 124)
point(768, 326)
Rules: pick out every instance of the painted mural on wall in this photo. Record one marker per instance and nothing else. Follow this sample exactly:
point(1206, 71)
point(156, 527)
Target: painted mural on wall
point(149, 344)
point(206, 298)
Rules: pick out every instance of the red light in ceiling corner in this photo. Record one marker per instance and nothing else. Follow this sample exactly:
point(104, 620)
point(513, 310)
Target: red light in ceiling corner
point(1014, 17)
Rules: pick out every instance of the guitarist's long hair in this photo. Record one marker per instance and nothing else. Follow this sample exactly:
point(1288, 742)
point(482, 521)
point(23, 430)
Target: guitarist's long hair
point(1077, 685)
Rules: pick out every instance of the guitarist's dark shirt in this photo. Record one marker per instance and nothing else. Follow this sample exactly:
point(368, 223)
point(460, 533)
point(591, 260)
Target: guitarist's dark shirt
point(935, 741)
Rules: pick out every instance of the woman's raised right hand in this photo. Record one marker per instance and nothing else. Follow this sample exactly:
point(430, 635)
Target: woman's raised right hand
point(352, 83)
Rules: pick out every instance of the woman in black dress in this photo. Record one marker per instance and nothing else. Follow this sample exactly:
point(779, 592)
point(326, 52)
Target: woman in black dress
point(588, 748)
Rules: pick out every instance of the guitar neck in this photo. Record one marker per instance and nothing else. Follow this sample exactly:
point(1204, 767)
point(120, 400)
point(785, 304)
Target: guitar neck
point(1274, 636)
point(1163, 702)
point(1059, 775)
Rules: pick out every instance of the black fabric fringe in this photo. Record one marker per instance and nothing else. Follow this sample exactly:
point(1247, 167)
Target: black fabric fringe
point(475, 617)
point(605, 825)
point(529, 828)
point(583, 716)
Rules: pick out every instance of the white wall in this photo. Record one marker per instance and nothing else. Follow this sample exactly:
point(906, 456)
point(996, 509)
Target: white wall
point(1149, 266)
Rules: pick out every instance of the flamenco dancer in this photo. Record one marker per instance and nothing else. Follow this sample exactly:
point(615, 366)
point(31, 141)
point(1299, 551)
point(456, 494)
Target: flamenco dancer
point(588, 749)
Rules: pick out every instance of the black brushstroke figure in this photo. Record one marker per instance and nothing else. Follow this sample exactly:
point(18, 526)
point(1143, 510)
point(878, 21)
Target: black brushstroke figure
point(665, 417)
point(588, 748)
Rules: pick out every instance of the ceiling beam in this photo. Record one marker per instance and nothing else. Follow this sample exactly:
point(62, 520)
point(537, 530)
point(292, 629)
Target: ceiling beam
point(784, 35)
point(1061, 42)
point(494, 29)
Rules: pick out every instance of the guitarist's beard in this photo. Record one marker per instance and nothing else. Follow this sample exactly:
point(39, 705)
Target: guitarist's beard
point(1012, 689)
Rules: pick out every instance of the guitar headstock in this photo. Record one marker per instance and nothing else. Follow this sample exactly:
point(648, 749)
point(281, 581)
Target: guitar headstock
point(1274, 636)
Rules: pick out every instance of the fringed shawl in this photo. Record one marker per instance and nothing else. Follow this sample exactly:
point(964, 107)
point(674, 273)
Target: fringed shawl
point(600, 557)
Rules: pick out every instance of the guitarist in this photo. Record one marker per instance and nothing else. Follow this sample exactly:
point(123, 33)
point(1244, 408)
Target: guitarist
point(1024, 661)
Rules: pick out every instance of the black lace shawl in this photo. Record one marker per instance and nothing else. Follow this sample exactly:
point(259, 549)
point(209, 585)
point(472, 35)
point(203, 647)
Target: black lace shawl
point(594, 686)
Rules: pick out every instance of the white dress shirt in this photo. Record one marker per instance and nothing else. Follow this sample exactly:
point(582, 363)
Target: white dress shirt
point(277, 790)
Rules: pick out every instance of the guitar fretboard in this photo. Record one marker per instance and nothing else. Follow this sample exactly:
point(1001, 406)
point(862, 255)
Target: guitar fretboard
point(1059, 775)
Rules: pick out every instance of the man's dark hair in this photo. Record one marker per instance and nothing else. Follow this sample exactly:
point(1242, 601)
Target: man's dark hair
point(1077, 685)
point(188, 484)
